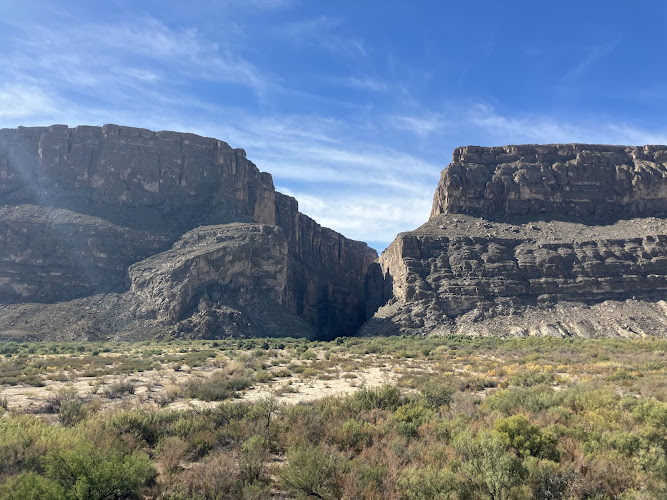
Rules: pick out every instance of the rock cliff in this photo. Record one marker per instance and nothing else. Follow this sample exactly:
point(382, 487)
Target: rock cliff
point(564, 179)
point(541, 240)
point(162, 232)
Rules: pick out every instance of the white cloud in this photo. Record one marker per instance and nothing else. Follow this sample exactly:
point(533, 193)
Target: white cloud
point(370, 217)
point(125, 54)
point(323, 151)
point(24, 101)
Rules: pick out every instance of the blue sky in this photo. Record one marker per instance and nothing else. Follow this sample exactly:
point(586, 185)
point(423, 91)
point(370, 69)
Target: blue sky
point(353, 106)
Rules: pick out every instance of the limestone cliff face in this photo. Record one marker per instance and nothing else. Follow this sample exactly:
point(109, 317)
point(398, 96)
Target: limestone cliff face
point(172, 178)
point(83, 206)
point(534, 239)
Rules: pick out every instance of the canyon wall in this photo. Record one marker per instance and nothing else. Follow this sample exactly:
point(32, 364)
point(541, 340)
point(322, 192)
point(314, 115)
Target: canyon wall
point(89, 211)
point(563, 239)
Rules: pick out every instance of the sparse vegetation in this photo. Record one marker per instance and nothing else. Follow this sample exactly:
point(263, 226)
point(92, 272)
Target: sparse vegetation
point(441, 418)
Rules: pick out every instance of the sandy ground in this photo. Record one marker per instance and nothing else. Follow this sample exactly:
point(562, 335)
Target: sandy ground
point(160, 389)
point(312, 389)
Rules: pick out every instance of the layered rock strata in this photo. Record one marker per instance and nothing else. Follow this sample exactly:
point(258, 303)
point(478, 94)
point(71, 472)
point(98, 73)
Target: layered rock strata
point(174, 229)
point(544, 240)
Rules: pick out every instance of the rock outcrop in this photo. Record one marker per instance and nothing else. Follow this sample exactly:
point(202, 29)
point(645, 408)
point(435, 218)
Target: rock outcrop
point(563, 179)
point(162, 232)
point(543, 240)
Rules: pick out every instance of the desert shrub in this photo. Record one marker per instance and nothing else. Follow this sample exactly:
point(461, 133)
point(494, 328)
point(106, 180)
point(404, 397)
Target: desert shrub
point(436, 393)
point(385, 397)
point(197, 358)
point(145, 426)
point(71, 411)
point(353, 435)
point(531, 378)
point(517, 433)
point(32, 486)
point(652, 412)
point(477, 384)
point(426, 482)
point(9, 347)
point(589, 397)
point(252, 462)
point(88, 474)
point(119, 389)
point(308, 355)
point(217, 387)
point(488, 465)
point(409, 417)
point(534, 399)
point(215, 477)
point(263, 376)
point(309, 471)
point(546, 479)
point(170, 452)
point(305, 425)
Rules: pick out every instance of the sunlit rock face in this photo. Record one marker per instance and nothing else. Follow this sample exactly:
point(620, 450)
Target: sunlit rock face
point(534, 240)
point(563, 179)
point(106, 214)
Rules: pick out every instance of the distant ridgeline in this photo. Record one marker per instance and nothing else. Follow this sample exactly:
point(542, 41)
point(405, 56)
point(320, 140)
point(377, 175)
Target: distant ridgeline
point(117, 232)
point(124, 232)
point(533, 240)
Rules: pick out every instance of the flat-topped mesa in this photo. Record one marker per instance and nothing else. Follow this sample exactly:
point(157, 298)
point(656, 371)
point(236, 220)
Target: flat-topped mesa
point(168, 177)
point(558, 179)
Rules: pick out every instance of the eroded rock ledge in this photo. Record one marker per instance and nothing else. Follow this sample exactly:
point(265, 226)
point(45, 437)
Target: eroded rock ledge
point(543, 240)
point(563, 179)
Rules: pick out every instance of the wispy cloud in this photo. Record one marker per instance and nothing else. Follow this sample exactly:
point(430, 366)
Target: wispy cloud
point(313, 149)
point(24, 101)
point(363, 83)
point(119, 55)
point(322, 32)
point(544, 129)
point(591, 55)
point(419, 125)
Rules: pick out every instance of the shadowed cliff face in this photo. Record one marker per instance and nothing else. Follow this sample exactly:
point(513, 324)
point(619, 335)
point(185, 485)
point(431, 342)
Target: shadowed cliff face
point(544, 240)
point(81, 206)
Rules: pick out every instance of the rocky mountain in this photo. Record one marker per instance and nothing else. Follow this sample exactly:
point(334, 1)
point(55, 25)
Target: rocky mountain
point(533, 240)
point(124, 232)
point(117, 232)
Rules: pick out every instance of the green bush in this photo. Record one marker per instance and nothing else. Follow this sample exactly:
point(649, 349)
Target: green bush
point(487, 463)
point(86, 473)
point(409, 417)
point(309, 471)
point(385, 397)
point(436, 393)
point(32, 486)
point(426, 483)
point(218, 387)
point(534, 399)
point(517, 433)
